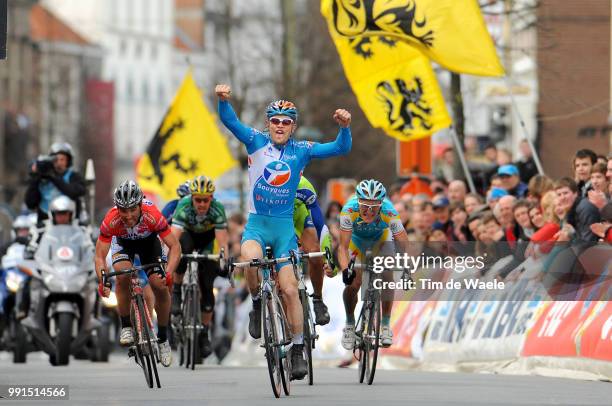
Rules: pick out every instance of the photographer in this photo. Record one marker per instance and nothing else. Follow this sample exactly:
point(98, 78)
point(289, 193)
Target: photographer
point(52, 176)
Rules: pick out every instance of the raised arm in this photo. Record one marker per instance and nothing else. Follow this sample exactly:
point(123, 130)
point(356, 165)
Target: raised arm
point(230, 119)
point(342, 144)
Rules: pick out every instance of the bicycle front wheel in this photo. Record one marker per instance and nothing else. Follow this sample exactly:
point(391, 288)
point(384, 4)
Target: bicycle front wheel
point(372, 341)
point(308, 334)
point(141, 350)
point(268, 317)
point(151, 353)
point(195, 332)
point(139, 355)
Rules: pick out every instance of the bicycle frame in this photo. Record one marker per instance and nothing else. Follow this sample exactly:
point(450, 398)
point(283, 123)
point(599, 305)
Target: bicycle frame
point(136, 291)
point(190, 322)
point(276, 332)
point(145, 348)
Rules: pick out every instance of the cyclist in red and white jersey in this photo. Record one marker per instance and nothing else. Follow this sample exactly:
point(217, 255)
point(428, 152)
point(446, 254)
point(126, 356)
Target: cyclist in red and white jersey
point(132, 228)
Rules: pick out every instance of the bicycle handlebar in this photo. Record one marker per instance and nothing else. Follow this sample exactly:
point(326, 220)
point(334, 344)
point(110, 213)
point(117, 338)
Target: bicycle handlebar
point(200, 257)
point(261, 262)
point(106, 276)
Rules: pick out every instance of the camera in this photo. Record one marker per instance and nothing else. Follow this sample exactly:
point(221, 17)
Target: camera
point(44, 164)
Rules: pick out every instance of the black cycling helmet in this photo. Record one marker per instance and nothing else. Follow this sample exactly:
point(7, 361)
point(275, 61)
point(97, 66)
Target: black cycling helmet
point(127, 195)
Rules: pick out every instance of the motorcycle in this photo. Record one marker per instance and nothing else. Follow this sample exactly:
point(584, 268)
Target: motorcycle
point(12, 335)
point(63, 293)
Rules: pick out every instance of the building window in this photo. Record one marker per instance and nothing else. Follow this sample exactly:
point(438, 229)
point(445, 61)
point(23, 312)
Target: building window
point(145, 91)
point(153, 51)
point(138, 49)
point(161, 93)
point(122, 46)
point(129, 89)
point(130, 14)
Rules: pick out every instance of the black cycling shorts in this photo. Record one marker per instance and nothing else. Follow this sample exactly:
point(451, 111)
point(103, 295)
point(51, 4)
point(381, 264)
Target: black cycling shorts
point(207, 270)
point(148, 249)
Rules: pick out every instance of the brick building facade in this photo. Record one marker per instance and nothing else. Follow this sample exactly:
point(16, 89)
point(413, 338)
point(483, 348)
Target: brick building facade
point(574, 80)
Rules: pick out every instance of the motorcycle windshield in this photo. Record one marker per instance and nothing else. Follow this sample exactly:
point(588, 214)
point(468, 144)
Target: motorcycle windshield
point(13, 256)
point(65, 249)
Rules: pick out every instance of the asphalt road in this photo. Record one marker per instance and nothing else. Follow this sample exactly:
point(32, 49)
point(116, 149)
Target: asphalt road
point(121, 382)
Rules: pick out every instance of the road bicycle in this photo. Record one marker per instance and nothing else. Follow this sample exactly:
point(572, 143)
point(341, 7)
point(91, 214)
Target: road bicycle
point(145, 349)
point(188, 325)
point(276, 332)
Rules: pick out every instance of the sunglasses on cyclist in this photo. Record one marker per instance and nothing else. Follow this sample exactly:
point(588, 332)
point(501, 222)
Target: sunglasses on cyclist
point(202, 199)
point(370, 207)
point(284, 121)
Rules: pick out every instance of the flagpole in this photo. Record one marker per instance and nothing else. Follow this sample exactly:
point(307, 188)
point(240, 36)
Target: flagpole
point(459, 150)
point(534, 153)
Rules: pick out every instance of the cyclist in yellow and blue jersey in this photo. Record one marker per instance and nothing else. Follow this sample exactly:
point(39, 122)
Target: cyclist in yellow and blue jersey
point(366, 221)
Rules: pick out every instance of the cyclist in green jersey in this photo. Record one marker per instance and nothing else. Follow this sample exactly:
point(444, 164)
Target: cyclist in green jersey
point(198, 221)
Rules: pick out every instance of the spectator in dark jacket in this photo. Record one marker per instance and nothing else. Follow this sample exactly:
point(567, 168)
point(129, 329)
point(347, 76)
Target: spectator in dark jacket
point(511, 181)
point(580, 212)
point(603, 230)
point(526, 166)
point(583, 162)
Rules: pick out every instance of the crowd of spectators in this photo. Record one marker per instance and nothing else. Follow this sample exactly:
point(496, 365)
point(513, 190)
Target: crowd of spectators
point(517, 206)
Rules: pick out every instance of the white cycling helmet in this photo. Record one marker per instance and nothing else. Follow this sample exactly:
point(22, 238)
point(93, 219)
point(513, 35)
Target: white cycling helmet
point(22, 222)
point(371, 189)
point(62, 204)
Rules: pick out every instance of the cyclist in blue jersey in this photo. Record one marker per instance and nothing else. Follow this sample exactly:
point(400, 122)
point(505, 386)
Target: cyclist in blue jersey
point(276, 162)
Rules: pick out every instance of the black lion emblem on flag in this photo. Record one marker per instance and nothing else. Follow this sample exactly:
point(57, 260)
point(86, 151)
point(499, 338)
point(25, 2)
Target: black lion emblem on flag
point(357, 17)
point(406, 109)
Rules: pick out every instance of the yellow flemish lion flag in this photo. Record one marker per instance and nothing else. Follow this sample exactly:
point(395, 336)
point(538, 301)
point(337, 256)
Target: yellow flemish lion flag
point(450, 32)
point(187, 143)
point(395, 86)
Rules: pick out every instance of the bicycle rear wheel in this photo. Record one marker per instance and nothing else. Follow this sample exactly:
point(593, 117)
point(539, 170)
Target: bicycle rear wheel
point(308, 336)
point(268, 318)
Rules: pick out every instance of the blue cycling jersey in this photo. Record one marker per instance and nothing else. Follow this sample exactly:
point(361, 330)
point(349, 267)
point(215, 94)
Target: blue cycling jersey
point(275, 171)
point(169, 208)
